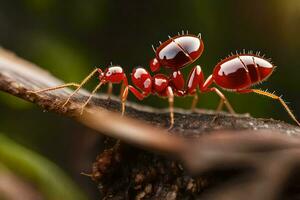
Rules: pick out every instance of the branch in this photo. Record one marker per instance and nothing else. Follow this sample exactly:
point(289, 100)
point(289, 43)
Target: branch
point(257, 153)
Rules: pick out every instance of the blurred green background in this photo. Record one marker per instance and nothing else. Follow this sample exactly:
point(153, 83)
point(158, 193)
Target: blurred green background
point(70, 38)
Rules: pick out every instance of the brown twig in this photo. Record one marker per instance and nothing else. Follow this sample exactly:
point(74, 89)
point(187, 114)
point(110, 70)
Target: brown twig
point(258, 154)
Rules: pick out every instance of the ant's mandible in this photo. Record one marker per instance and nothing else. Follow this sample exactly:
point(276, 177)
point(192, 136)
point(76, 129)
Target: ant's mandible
point(237, 73)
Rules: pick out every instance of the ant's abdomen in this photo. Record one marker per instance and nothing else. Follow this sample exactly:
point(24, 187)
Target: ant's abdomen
point(179, 51)
point(241, 71)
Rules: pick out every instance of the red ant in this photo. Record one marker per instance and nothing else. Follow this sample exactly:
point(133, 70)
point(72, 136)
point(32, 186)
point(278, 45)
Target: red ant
point(236, 73)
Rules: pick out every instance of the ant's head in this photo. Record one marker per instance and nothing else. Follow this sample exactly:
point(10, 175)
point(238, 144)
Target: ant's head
point(113, 74)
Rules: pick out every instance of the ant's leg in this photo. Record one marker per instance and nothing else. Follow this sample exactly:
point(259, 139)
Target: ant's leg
point(91, 95)
point(122, 88)
point(220, 106)
point(223, 99)
point(55, 88)
point(194, 80)
point(109, 89)
point(194, 103)
point(123, 85)
point(171, 104)
point(80, 85)
point(273, 96)
point(124, 98)
point(124, 95)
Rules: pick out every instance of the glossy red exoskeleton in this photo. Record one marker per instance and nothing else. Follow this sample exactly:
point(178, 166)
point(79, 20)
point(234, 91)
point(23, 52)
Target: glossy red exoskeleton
point(237, 73)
